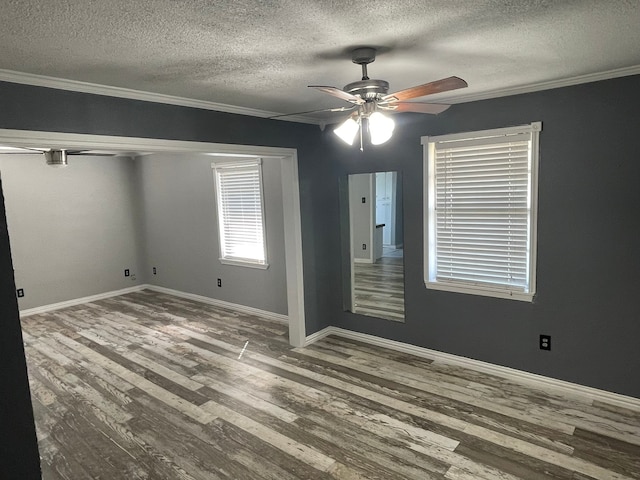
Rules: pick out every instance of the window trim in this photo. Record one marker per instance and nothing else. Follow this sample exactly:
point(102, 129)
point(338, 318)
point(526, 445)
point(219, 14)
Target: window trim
point(239, 164)
point(483, 289)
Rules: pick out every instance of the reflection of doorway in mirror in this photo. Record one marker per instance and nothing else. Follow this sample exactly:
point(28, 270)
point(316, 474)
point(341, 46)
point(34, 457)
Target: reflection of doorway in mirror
point(386, 214)
point(385, 205)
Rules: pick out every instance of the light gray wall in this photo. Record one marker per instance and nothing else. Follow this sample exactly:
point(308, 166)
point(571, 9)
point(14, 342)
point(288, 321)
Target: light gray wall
point(360, 214)
point(73, 230)
point(181, 235)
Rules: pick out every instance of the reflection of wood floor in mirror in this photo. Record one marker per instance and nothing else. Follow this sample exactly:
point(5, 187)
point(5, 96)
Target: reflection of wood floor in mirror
point(147, 386)
point(379, 288)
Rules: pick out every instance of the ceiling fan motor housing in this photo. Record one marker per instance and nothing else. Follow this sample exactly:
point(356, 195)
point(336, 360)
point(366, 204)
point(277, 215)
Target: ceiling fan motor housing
point(56, 158)
point(368, 89)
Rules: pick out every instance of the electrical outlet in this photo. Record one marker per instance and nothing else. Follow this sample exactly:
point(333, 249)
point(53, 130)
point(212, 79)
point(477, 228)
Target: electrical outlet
point(219, 282)
point(545, 342)
point(154, 270)
point(126, 272)
point(364, 246)
point(20, 292)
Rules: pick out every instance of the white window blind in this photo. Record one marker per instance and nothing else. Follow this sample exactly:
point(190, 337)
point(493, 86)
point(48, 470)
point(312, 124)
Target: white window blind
point(480, 211)
point(241, 213)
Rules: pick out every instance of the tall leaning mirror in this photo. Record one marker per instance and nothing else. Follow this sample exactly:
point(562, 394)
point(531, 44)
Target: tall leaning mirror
point(372, 244)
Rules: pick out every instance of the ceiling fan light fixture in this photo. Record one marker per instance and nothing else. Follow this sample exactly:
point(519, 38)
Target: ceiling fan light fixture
point(56, 158)
point(380, 128)
point(347, 131)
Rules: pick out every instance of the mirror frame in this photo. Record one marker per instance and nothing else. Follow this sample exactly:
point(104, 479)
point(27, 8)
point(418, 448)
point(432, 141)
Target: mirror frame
point(347, 261)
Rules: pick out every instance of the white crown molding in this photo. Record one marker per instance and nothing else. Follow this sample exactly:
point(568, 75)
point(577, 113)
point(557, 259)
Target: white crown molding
point(519, 376)
point(120, 92)
point(537, 87)
point(278, 317)
point(79, 301)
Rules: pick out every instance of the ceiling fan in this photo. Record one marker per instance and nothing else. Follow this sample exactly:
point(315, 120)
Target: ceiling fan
point(369, 98)
point(57, 157)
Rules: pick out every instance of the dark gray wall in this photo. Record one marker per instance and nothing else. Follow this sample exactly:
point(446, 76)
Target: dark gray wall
point(588, 231)
point(25, 107)
point(18, 451)
point(181, 232)
point(73, 230)
point(588, 224)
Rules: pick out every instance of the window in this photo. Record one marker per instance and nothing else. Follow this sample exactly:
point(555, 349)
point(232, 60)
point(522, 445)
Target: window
point(480, 207)
point(240, 213)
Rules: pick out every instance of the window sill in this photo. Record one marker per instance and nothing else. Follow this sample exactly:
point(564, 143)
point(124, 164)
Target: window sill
point(241, 263)
point(485, 292)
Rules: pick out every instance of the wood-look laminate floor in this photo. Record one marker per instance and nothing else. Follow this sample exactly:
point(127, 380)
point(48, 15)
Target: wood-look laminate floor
point(149, 386)
point(379, 288)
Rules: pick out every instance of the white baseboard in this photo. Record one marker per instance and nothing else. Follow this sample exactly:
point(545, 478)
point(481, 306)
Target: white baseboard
point(278, 317)
point(362, 260)
point(115, 293)
point(530, 379)
point(79, 301)
point(319, 335)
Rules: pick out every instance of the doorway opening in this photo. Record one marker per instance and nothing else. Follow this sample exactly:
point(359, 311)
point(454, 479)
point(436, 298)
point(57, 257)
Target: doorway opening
point(290, 190)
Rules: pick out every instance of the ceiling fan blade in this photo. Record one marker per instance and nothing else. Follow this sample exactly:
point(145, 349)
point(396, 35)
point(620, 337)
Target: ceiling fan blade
point(91, 154)
point(338, 109)
point(9, 152)
point(19, 150)
point(444, 85)
point(336, 92)
point(432, 108)
point(31, 151)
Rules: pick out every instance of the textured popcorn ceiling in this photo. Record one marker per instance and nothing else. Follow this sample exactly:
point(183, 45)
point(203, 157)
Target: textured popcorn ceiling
point(263, 54)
